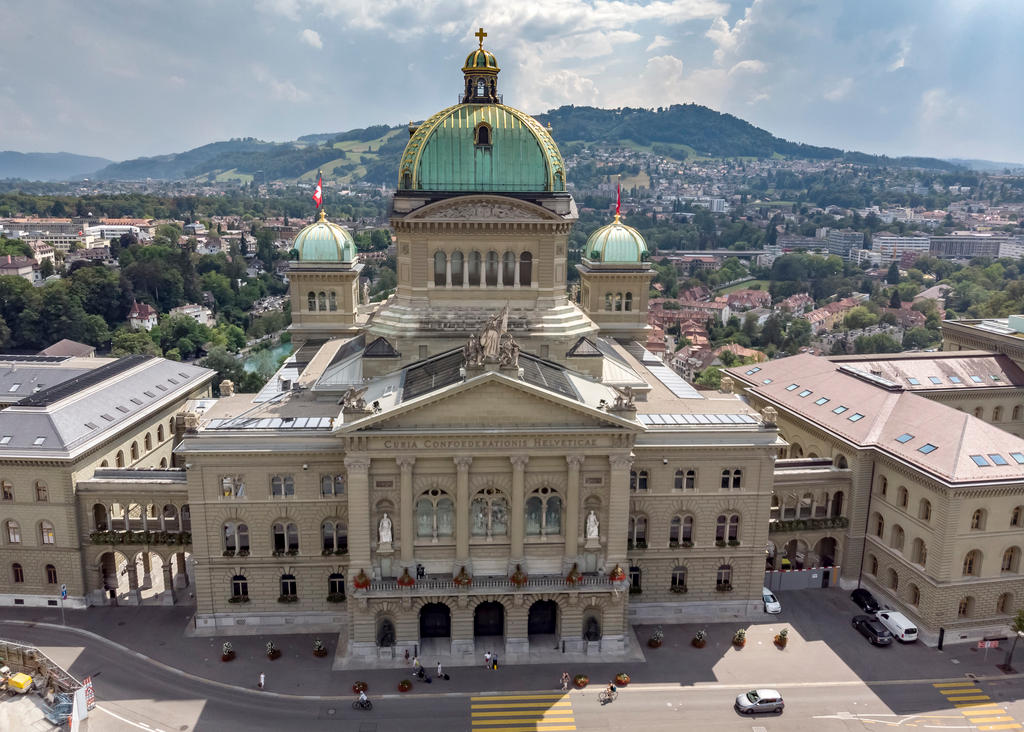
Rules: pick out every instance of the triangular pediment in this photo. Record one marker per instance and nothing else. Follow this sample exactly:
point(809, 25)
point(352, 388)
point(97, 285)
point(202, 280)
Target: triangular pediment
point(483, 209)
point(489, 402)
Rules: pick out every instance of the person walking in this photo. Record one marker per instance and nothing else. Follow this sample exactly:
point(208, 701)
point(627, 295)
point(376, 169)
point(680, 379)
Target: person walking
point(565, 681)
point(487, 660)
point(416, 663)
point(494, 661)
point(262, 679)
point(440, 673)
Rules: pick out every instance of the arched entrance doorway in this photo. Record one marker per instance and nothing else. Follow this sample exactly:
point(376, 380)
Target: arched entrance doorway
point(796, 553)
point(826, 551)
point(489, 620)
point(435, 621)
point(542, 624)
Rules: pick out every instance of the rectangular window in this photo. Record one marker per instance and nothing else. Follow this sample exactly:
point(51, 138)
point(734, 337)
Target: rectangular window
point(855, 417)
point(822, 400)
point(977, 379)
point(955, 379)
point(997, 459)
point(913, 382)
point(792, 387)
point(839, 410)
point(927, 448)
point(935, 379)
point(980, 461)
point(767, 381)
point(904, 438)
point(1018, 456)
point(805, 393)
point(232, 486)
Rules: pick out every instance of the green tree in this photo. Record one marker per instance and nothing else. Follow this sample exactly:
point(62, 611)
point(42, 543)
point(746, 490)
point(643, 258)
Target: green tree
point(1017, 626)
point(125, 342)
point(893, 275)
point(860, 317)
point(709, 378)
point(894, 299)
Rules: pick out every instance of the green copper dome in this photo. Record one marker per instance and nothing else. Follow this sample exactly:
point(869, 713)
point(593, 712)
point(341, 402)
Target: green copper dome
point(323, 241)
point(479, 60)
point(616, 243)
point(482, 148)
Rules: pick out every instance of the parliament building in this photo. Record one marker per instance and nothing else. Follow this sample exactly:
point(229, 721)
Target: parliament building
point(487, 460)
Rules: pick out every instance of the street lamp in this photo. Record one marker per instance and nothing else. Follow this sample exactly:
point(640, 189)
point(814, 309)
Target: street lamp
point(1009, 657)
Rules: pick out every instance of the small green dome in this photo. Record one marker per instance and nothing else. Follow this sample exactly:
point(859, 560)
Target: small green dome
point(323, 241)
point(616, 243)
point(479, 59)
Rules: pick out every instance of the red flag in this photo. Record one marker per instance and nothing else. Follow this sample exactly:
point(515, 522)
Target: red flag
point(618, 195)
point(318, 192)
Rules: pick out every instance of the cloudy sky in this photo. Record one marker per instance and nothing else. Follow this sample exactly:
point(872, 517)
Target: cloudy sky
point(123, 78)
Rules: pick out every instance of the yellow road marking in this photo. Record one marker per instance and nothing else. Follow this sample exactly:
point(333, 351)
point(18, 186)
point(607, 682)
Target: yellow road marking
point(954, 683)
point(978, 697)
point(984, 709)
point(521, 696)
point(962, 690)
point(981, 720)
point(975, 704)
point(525, 720)
point(520, 713)
point(524, 705)
point(533, 728)
point(1000, 726)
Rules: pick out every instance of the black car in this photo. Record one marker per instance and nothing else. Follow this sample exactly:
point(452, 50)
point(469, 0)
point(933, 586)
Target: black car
point(873, 630)
point(865, 600)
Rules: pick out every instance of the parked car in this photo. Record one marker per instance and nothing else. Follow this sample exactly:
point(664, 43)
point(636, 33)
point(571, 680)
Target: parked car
point(760, 700)
point(865, 600)
point(871, 629)
point(771, 602)
point(899, 625)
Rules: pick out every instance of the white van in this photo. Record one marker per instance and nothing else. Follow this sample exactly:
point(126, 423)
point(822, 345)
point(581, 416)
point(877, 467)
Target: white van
point(898, 624)
point(771, 602)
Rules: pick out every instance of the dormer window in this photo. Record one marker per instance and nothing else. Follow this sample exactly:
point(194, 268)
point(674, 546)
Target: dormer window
point(481, 89)
point(482, 135)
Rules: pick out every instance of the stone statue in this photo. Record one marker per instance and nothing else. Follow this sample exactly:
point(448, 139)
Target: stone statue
point(490, 336)
point(366, 292)
point(574, 292)
point(508, 355)
point(472, 353)
point(593, 525)
point(353, 399)
point(384, 529)
point(623, 397)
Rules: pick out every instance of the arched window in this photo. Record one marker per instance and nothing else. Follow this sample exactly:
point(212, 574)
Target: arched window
point(972, 563)
point(898, 537)
point(637, 538)
point(1016, 413)
point(311, 301)
point(879, 523)
point(491, 269)
point(322, 301)
point(997, 414)
point(618, 302)
point(965, 608)
point(51, 574)
point(239, 586)
point(1016, 515)
point(458, 271)
point(1011, 560)
point(526, 269)
point(440, 269)
point(488, 514)
point(289, 586)
point(675, 530)
point(160, 433)
point(872, 565)
point(335, 537)
point(286, 538)
point(919, 552)
point(406, 179)
point(104, 464)
point(119, 462)
point(236, 537)
point(894, 580)
point(18, 573)
point(508, 269)
point(726, 478)
point(148, 442)
point(332, 485)
point(978, 519)
point(727, 528)
point(474, 269)
point(678, 579)
point(46, 533)
point(979, 412)
point(435, 515)
point(609, 302)
point(332, 298)
point(13, 531)
point(924, 510)
point(723, 579)
point(282, 486)
point(1004, 603)
point(840, 462)
point(914, 593)
point(691, 480)
point(482, 133)
point(883, 486)
point(737, 479)
point(99, 517)
point(902, 497)
point(543, 513)
point(163, 462)
point(42, 492)
point(629, 301)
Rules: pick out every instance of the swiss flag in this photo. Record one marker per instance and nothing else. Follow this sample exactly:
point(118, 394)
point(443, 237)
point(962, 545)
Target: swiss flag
point(318, 192)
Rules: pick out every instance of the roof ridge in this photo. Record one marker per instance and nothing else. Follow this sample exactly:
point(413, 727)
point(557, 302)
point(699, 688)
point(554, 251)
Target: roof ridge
point(960, 442)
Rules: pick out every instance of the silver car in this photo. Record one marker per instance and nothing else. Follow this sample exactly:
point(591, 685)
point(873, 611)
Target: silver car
point(757, 701)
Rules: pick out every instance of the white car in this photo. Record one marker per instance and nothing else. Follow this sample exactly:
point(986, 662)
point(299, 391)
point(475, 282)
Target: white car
point(771, 602)
point(760, 700)
point(898, 624)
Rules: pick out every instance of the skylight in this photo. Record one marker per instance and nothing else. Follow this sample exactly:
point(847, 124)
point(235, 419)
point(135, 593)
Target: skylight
point(956, 379)
point(905, 438)
point(1018, 456)
point(913, 382)
point(980, 461)
point(805, 393)
point(107, 417)
point(749, 372)
point(839, 410)
point(855, 417)
point(935, 379)
point(14, 387)
point(822, 400)
point(977, 379)
point(5, 440)
point(995, 377)
point(997, 459)
point(122, 408)
point(792, 387)
point(927, 448)
point(767, 381)
point(39, 440)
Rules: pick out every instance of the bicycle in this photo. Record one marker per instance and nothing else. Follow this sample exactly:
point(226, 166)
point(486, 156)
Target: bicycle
point(358, 704)
point(606, 697)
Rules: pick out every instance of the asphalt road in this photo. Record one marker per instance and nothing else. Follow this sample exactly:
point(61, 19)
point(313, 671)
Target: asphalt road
point(134, 694)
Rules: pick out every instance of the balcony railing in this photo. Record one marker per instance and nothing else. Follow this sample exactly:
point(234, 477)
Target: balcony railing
point(809, 524)
point(140, 537)
point(591, 583)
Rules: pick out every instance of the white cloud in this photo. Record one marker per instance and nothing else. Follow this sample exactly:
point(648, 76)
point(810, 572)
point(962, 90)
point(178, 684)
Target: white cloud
point(751, 66)
point(659, 42)
point(283, 91)
point(175, 80)
point(311, 38)
point(840, 90)
point(724, 37)
point(900, 59)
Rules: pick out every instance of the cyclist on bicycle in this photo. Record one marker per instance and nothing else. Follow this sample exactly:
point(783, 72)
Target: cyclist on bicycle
point(362, 698)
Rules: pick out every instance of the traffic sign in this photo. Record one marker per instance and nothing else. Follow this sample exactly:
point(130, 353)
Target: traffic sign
point(986, 644)
point(63, 592)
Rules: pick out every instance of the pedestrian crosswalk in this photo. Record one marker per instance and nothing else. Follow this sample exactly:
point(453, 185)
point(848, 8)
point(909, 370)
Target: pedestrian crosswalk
point(977, 706)
point(522, 713)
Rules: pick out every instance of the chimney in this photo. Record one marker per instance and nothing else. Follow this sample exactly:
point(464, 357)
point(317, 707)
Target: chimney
point(227, 388)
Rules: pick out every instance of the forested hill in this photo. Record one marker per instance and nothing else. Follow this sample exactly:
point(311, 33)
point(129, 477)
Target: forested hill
point(692, 129)
point(47, 166)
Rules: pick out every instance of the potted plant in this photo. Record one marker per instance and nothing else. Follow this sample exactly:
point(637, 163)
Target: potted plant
point(618, 574)
point(519, 577)
point(782, 638)
point(739, 638)
point(574, 577)
point(359, 686)
point(227, 653)
point(318, 648)
point(700, 639)
point(361, 581)
point(622, 679)
point(272, 651)
point(404, 685)
point(406, 579)
point(336, 597)
point(581, 680)
point(243, 552)
point(656, 638)
point(462, 579)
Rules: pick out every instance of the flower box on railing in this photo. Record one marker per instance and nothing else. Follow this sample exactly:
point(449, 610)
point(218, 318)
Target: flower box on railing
point(234, 599)
point(723, 588)
point(361, 581)
point(809, 524)
point(336, 597)
point(288, 598)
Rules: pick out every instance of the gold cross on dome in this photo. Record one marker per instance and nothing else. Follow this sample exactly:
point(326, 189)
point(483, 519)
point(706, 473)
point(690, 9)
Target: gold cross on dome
point(481, 35)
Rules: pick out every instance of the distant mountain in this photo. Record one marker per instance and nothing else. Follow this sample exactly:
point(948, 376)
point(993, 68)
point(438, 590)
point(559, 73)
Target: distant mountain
point(178, 165)
point(47, 166)
point(986, 166)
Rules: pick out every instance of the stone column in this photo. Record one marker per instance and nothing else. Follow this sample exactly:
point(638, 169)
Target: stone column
point(407, 532)
point(448, 271)
point(358, 515)
point(147, 571)
point(134, 596)
point(572, 507)
point(168, 594)
point(515, 275)
point(618, 510)
point(462, 463)
point(516, 526)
